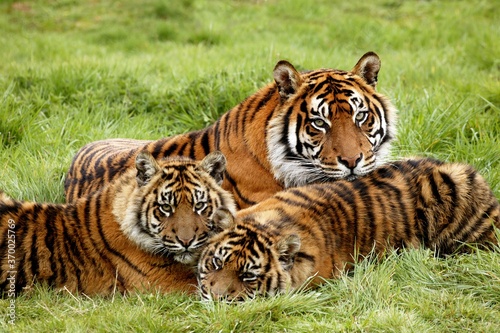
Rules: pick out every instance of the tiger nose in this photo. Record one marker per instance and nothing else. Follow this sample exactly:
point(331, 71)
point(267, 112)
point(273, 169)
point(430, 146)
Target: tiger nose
point(350, 162)
point(222, 293)
point(185, 241)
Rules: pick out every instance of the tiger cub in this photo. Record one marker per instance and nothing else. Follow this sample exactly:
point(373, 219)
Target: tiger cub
point(143, 231)
point(317, 231)
point(314, 126)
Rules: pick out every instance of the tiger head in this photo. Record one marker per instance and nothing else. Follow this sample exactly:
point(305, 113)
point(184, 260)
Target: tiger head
point(173, 204)
point(247, 260)
point(330, 124)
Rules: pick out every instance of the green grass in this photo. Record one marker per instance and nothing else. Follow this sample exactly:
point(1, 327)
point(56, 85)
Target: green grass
point(77, 71)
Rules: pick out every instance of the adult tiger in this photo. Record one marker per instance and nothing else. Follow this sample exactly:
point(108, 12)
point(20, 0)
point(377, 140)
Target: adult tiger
point(320, 125)
point(143, 231)
point(317, 231)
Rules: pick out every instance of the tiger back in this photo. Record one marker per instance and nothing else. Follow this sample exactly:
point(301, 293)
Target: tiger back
point(314, 126)
point(314, 232)
point(144, 231)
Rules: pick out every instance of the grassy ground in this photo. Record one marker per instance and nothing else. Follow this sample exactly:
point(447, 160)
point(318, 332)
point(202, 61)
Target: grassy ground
point(77, 71)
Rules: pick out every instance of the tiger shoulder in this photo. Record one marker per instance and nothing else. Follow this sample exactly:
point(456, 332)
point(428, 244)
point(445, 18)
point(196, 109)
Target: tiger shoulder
point(311, 126)
point(318, 231)
point(142, 232)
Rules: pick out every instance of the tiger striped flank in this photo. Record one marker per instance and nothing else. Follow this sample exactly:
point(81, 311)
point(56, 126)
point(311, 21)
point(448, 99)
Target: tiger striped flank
point(320, 230)
point(314, 126)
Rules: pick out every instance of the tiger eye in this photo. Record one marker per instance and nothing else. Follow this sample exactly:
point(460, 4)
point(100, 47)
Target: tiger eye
point(248, 276)
point(200, 205)
point(361, 116)
point(217, 263)
point(319, 123)
point(166, 208)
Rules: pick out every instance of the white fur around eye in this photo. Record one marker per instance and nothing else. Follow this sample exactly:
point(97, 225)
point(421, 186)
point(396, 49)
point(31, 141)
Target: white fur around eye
point(217, 263)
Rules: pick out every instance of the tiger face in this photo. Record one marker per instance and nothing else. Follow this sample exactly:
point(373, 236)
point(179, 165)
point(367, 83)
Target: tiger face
point(175, 204)
point(331, 125)
point(246, 261)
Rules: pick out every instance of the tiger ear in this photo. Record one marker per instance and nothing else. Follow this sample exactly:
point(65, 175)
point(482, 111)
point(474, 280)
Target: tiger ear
point(223, 219)
point(367, 68)
point(287, 78)
point(215, 165)
point(146, 166)
point(288, 247)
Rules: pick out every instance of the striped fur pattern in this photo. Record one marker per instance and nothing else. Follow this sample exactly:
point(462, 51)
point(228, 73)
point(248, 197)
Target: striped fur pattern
point(144, 231)
point(320, 125)
point(318, 231)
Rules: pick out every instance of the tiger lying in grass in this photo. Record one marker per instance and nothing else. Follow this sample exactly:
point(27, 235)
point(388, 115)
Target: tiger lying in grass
point(313, 126)
point(143, 231)
point(318, 230)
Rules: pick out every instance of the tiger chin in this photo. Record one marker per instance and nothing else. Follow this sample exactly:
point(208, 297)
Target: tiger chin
point(306, 234)
point(304, 127)
point(142, 232)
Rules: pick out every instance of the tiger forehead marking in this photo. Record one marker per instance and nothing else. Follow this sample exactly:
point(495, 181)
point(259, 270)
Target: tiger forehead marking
point(183, 183)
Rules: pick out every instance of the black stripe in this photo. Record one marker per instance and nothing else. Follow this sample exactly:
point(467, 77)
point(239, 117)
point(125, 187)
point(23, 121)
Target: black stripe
point(122, 160)
point(284, 133)
point(468, 213)
point(301, 256)
point(295, 203)
point(33, 259)
point(434, 187)
point(226, 127)
point(24, 219)
point(168, 151)
point(271, 91)
point(182, 148)
point(51, 215)
point(319, 86)
point(52, 243)
point(217, 135)
point(269, 282)
point(369, 219)
point(193, 137)
point(298, 128)
point(87, 155)
point(237, 113)
point(268, 119)
point(423, 225)
point(451, 185)
point(397, 196)
point(205, 142)
point(104, 239)
point(98, 165)
point(479, 222)
point(110, 169)
point(236, 190)
point(70, 244)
